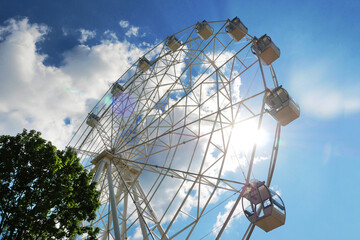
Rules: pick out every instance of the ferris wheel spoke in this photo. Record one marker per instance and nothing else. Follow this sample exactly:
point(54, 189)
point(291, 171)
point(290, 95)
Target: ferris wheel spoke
point(200, 214)
point(192, 185)
point(213, 192)
point(151, 212)
point(146, 212)
point(140, 217)
point(85, 152)
point(226, 145)
point(254, 145)
point(274, 153)
point(273, 75)
point(184, 175)
point(176, 193)
point(249, 231)
point(103, 133)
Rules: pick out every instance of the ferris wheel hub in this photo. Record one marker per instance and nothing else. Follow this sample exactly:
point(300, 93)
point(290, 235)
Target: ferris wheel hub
point(116, 159)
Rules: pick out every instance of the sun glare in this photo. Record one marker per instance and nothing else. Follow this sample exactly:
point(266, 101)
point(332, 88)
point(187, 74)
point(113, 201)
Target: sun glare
point(244, 136)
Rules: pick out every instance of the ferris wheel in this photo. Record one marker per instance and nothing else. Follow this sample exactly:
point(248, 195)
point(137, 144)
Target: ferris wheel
point(192, 126)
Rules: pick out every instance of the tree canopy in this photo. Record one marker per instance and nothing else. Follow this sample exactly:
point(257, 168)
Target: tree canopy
point(45, 193)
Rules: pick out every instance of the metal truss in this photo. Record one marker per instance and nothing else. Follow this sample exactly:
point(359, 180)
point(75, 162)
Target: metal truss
point(163, 149)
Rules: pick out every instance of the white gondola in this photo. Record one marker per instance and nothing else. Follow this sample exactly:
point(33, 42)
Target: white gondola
point(266, 50)
point(282, 107)
point(92, 120)
point(263, 207)
point(117, 89)
point(204, 30)
point(173, 43)
point(236, 29)
point(144, 64)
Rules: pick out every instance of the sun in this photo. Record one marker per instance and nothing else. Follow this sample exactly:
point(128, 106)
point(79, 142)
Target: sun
point(245, 134)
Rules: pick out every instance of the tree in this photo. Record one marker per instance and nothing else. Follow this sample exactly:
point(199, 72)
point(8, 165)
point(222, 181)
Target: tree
point(45, 193)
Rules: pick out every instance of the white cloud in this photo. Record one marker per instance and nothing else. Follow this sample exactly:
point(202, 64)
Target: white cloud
point(144, 44)
point(124, 24)
point(35, 96)
point(133, 31)
point(276, 189)
point(65, 31)
point(320, 94)
point(86, 35)
point(221, 217)
point(137, 234)
point(110, 36)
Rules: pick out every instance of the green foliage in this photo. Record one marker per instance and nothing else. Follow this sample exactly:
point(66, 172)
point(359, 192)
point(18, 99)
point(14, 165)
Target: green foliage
point(45, 193)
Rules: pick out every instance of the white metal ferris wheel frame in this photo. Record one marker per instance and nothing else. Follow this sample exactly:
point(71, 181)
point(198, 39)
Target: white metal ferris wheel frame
point(119, 148)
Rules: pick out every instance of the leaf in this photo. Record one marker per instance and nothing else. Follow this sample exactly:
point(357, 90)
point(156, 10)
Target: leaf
point(42, 190)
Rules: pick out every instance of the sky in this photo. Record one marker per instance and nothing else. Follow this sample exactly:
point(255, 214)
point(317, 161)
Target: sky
point(57, 58)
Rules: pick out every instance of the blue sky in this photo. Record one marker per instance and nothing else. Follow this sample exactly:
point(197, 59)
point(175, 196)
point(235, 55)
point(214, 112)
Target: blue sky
point(318, 162)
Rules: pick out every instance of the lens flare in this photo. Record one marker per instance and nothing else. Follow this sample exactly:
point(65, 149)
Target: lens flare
point(108, 100)
point(123, 105)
